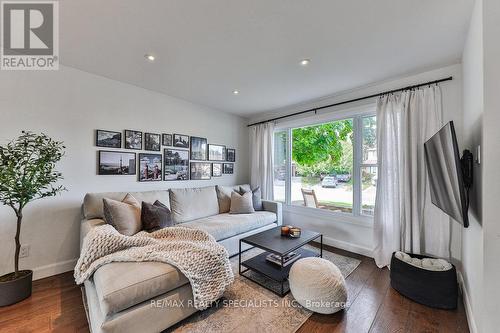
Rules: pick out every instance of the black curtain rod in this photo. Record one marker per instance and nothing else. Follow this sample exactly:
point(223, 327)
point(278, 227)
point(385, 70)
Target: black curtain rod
point(354, 100)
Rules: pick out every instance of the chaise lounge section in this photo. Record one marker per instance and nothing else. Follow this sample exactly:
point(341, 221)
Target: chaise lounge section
point(152, 296)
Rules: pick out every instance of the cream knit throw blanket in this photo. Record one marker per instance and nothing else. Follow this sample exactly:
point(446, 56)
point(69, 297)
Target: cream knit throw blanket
point(194, 252)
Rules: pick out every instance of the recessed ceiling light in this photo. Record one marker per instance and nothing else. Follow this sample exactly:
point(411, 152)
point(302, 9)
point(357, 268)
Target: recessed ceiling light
point(150, 57)
point(305, 62)
point(236, 92)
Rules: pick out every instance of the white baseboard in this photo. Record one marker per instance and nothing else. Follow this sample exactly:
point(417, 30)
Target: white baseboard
point(348, 246)
point(53, 269)
point(467, 304)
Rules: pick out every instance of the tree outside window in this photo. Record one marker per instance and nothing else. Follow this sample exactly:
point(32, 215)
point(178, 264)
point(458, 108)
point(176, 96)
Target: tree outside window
point(321, 170)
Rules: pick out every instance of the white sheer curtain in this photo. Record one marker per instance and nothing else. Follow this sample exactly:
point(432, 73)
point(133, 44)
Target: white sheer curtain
point(405, 219)
point(261, 158)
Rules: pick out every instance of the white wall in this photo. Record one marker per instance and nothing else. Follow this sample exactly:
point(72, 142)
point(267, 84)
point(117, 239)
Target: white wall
point(472, 245)
point(481, 242)
point(358, 236)
point(69, 105)
point(491, 167)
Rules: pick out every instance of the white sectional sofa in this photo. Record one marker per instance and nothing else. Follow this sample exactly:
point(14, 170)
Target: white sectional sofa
point(136, 296)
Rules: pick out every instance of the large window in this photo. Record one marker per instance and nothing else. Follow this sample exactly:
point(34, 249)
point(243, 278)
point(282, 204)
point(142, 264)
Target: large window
point(330, 166)
point(322, 164)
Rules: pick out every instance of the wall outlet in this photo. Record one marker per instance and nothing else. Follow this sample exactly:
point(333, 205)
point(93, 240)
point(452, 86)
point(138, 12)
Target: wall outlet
point(25, 251)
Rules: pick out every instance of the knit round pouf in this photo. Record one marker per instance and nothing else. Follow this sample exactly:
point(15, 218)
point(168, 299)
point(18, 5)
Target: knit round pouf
point(318, 285)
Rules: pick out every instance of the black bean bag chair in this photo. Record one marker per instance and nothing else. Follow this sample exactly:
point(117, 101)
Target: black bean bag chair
point(437, 289)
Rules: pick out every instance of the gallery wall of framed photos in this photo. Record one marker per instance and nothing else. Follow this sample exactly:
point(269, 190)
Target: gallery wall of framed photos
point(162, 156)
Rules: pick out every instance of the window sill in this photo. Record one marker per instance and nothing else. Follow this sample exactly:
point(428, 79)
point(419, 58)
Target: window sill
point(363, 221)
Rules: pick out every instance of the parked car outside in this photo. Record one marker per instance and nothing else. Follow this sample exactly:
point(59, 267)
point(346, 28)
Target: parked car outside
point(343, 178)
point(329, 181)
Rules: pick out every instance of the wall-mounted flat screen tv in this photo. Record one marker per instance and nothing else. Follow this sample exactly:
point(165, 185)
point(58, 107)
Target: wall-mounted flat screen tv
point(445, 174)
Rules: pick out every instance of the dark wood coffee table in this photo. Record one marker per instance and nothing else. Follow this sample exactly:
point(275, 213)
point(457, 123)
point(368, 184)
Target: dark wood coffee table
point(271, 241)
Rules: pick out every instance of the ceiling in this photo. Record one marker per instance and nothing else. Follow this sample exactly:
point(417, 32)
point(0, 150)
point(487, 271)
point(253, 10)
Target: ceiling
point(205, 49)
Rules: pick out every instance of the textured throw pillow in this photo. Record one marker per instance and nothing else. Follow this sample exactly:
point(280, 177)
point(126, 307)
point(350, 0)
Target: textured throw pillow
point(224, 195)
point(155, 216)
point(256, 197)
point(124, 215)
point(241, 203)
point(224, 198)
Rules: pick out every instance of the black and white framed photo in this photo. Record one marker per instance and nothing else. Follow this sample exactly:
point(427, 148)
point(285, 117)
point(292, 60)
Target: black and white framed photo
point(150, 167)
point(200, 170)
point(216, 152)
point(133, 139)
point(230, 155)
point(152, 142)
point(216, 169)
point(198, 148)
point(228, 168)
point(167, 140)
point(176, 164)
point(108, 139)
point(116, 163)
point(181, 141)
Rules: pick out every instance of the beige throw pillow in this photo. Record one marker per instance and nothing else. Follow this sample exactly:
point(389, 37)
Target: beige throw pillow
point(241, 203)
point(124, 215)
point(224, 198)
point(224, 195)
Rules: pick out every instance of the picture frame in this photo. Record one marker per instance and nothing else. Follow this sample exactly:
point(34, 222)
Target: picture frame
point(167, 140)
point(152, 142)
point(133, 139)
point(181, 141)
point(200, 170)
point(228, 168)
point(230, 155)
point(199, 150)
point(176, 164)
point(216, 169)
point(108, 139)
point(116, 163)
point(216, 152)
point(150, 167)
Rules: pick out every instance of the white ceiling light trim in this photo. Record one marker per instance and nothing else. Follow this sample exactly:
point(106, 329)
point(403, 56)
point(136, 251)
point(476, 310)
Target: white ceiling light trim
point(150, 57)
point(305, 62)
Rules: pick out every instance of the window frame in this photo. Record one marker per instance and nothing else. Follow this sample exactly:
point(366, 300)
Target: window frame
point(356, 114)
point(363, 165)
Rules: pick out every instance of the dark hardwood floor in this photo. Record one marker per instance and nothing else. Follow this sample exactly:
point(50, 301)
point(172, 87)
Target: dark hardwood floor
point(373, 306)
point(56, 306)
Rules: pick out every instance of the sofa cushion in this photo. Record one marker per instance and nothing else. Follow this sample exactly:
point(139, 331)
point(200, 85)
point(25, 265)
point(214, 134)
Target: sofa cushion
point(256, 197)
point(224, 195)
point(226, 225)
point(93, 206)
point(120, 285)
point(241, 203)
point(189, 204)
point(124, 216)
point(155, 216)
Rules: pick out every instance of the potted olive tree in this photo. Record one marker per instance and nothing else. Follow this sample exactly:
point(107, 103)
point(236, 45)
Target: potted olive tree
point(26, 174)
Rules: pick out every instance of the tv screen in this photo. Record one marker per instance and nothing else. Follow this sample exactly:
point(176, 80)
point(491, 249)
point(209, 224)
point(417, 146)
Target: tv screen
point(445, 173)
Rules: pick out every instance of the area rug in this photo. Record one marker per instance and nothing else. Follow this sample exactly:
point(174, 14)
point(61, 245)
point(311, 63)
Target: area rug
point(248, 307)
